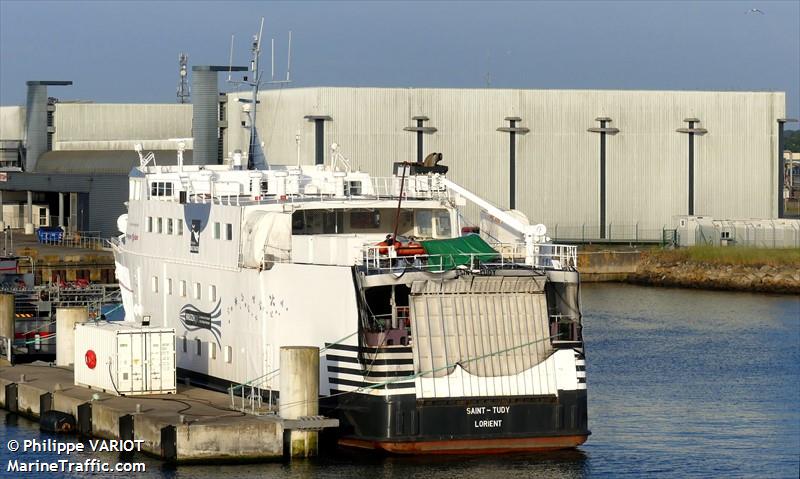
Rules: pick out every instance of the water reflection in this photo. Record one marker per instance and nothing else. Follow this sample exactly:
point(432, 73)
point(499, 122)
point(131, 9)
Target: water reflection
point(682, 383)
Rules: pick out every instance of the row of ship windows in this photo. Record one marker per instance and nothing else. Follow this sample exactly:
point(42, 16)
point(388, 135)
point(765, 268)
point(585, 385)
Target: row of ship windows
point(197, 289)
point(212, 349)
point(175, 226)
point(157, 225)
point(161, 188)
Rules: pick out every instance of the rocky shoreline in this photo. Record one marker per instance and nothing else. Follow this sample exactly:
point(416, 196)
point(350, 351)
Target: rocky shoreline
point(766, 278)
point(651, 268)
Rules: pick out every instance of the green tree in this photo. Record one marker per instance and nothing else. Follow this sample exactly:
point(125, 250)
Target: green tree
point(791, 140)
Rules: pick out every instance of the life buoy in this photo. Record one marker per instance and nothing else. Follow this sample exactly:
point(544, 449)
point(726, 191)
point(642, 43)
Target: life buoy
point(91, 359)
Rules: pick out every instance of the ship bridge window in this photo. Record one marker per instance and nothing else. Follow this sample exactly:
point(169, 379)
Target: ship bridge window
point(309, 222)
point(333, 222)
point(363, 220)
point(366, 219)
point(424, 220)
point(443, 229)
point(432, 223)
point(229, 231)
point(161, 188)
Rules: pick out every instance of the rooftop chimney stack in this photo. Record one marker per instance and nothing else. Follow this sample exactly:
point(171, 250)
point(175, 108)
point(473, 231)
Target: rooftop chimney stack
point(36, 128)
point(205, 111)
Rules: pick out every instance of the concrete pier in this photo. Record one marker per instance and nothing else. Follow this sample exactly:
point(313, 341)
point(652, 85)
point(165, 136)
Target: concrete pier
point(193, 426)
point(300, 395)
point(7, 319)
point(65, 333)
point(7, 315)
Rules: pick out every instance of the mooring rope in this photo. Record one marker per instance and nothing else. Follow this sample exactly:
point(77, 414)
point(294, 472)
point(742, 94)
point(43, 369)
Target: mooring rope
point(422, 373)
point(264, 377)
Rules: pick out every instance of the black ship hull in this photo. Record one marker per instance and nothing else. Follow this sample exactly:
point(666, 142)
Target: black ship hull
point(402, 424)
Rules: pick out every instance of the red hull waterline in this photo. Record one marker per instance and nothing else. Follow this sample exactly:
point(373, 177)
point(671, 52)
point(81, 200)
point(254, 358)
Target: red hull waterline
point(470, 446)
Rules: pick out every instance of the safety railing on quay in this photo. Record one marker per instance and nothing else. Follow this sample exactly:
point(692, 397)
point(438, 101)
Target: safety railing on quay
point(79, 239)
point(72, 294)
point(614, 233)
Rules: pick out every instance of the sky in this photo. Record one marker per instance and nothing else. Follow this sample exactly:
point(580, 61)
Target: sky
point(116, 51)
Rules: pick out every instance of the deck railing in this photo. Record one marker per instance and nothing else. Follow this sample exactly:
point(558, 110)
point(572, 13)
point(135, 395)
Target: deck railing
point(380, 188)
point(382, 259)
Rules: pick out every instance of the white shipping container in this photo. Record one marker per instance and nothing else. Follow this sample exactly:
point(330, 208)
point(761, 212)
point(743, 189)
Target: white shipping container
point(124, 358)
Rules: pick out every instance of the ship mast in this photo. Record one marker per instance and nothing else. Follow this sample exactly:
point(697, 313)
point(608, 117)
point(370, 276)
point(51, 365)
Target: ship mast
point(255, 83)
point(253, 162)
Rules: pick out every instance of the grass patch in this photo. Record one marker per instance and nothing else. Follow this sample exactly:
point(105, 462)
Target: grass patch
point(732, 255)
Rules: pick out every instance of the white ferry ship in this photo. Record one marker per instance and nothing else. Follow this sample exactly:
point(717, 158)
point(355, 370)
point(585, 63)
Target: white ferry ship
point(433, 341)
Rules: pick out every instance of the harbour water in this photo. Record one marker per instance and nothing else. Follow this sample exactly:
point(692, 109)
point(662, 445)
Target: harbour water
point(682, 383)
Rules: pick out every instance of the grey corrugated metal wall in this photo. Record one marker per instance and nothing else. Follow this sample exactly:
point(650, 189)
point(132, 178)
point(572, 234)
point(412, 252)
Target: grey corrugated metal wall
point(12, 123)
point(104, 126)
point(106, 195)
point(558, 160)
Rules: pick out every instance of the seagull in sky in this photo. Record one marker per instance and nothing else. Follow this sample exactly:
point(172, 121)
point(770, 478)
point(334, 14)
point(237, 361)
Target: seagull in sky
point(754, 11)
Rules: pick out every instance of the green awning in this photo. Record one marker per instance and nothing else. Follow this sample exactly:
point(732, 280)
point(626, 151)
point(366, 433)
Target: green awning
point(448, 253)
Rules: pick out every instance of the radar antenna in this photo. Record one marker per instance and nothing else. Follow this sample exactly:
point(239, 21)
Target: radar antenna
point(183, 83)
point(181, 148)
point(255, 159)
point(144, 160)
point(338, 158)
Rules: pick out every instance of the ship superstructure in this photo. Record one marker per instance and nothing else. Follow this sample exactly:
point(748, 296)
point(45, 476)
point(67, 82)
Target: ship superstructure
point(432, 341)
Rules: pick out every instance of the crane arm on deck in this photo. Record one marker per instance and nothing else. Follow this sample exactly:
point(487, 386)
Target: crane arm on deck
point(532, 234)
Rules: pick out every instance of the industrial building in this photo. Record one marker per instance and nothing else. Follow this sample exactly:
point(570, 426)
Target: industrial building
point(67, 163)
point(590, 164)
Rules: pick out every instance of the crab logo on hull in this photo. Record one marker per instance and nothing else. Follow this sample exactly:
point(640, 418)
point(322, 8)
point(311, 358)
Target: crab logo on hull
point(194, 320)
